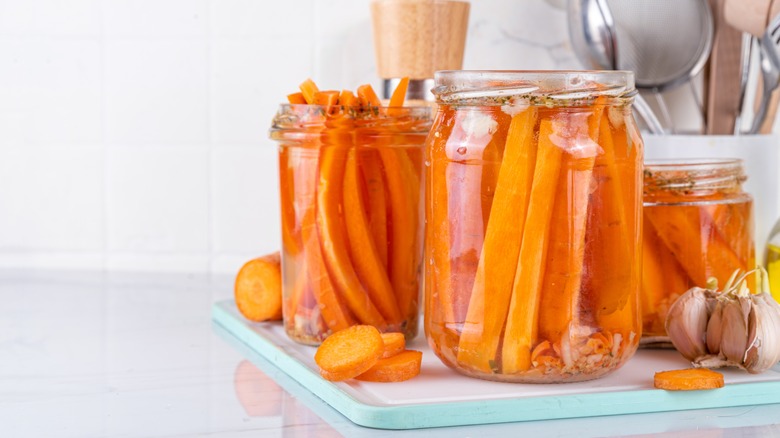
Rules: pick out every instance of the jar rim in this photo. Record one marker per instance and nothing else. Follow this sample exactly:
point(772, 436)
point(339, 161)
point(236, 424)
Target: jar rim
point(558, 85)
point(693, 174)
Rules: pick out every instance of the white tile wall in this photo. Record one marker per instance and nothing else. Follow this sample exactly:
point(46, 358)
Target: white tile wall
point(133, 133)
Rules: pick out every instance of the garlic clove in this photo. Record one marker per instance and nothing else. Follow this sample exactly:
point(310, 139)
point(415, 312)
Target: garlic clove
point(734, 331)
point(715, 328)
point(763, 349)
point(686, 323)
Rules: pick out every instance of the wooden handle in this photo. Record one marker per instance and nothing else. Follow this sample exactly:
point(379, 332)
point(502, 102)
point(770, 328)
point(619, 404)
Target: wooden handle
point(747, 15)
point(418, 37)
point(724, 81)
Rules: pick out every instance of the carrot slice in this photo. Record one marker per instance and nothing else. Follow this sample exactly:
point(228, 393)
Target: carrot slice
point(296, 98)
point(394, 344)
point(402, 366)
point(495, 273)
point(560, 296)
point(521, 326)
point(690, 379)
point(365, 256)
point(258, 288)
point(326, 98)
point(367, 96)
point(309, 89)
point(333, 234)
point(350, 352)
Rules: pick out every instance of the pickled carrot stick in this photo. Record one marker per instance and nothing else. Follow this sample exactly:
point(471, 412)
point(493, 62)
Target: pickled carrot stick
point(492, 290)
point(367, 96)
point(399, 94)
point(376, 200)
point(438, 229)
point(333, 311)
point(348, 99)
point(290, 239)
point(296, 98)
point(521, 322)
point(309, 89)
point(333, 234)
point(363, 251)
point(294, 298)
point(403, 192)
point(733, 223)
point(560, 297)
point(326, 98)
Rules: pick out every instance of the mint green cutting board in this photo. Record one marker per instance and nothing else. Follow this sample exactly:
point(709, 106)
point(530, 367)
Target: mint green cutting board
point(441, 397)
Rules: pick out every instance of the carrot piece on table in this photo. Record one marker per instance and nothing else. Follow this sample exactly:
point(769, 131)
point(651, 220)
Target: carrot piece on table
point(690, 379)
point(371, 167)
point(347, 98)
point(334, 236)
point(394, 344)
point(296, 98)
point(309, 89)
point(492, 289)
point(365, 256)
point(402, 366)
point(521, 322)
point(560, 297)
point(326, 98)
point(350, 352)
point(258, 288)
point(368, 96)
point(399, 94)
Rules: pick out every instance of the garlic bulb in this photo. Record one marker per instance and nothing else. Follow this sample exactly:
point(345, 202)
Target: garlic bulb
point(732, 327)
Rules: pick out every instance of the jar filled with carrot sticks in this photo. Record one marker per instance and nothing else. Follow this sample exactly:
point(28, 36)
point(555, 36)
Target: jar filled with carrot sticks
point(350, 189)
point(698, 225)
point(533, 197)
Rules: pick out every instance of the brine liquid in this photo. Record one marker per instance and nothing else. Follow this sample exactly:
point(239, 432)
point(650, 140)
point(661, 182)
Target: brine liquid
point(685, 244)
point(532, 248)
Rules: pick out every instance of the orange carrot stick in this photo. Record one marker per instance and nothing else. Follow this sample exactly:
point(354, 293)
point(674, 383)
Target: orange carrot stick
point(347, 99)
point(371, 167)
point(399, 94)
point(521, 326)
point(367, 96)
point(296, 98)
point(309, 89)
point(496, 270)
point(560, 296)
point(365, 255)
point(333, 233)
point(326, 98)
point(290, 238)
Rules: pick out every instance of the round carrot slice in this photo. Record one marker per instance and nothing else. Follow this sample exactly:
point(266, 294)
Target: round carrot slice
point(402, 366)
point(688, 379)
point(258, 288)
point(349, 352)
point(394, 344)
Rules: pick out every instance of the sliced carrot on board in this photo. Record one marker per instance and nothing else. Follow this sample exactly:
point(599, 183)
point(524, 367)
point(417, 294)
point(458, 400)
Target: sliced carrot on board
point(258, 288)
point(521, 322)
point(498, 261)
point(690, 379)
point(296, 98)
point(402, 366)
point(363, 250)
point(334, 237)
point(309, 89)
point(394, 344)
point(350, 352)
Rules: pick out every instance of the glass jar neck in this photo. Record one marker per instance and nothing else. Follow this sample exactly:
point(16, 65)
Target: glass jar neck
point(693, 178)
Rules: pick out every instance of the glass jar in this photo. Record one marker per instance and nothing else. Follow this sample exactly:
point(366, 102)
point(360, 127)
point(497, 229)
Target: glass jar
point(350, 193)
point(698, 224)
point(533, 196)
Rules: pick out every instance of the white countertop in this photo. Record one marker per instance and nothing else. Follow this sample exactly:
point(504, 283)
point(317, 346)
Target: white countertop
point(117, 354)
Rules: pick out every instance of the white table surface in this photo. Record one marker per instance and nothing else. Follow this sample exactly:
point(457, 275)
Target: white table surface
point(87, 354)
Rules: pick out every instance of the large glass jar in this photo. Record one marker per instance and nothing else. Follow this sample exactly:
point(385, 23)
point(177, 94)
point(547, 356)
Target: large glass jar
point(533, 197)
point(698, 225)
point(350, 191)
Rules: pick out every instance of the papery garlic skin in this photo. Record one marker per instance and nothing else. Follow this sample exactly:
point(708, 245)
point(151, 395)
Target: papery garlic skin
point(714, 328)
point(686, 323)
point(763, 350)
point(734, 329)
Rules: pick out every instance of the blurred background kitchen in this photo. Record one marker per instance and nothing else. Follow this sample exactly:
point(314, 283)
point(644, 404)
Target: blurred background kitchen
point(133, 133)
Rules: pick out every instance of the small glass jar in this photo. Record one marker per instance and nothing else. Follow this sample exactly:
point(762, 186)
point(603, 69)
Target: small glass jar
point(533, 197)
point(350, 194)
point(698, 224)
